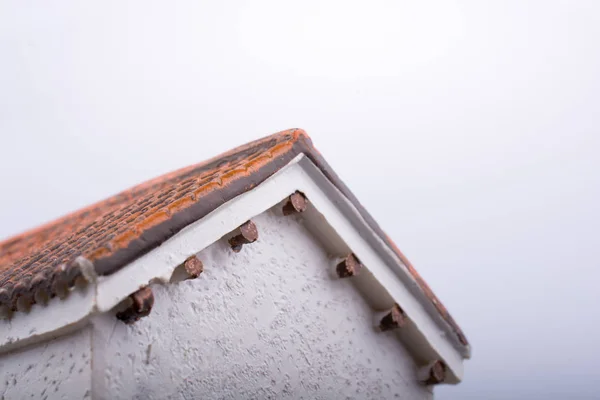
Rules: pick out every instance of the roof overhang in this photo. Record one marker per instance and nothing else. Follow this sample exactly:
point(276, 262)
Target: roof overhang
point(331, 216)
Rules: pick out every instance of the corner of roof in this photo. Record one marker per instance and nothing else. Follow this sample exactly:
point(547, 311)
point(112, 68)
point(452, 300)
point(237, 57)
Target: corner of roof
point(298, 135)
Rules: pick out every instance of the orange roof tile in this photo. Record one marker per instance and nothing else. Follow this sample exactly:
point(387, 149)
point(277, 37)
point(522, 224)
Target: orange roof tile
point(117, 230)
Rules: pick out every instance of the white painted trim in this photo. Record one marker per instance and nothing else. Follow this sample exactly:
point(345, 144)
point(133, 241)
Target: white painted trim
point(58, 317)
point(339, 213)
point(381, 261)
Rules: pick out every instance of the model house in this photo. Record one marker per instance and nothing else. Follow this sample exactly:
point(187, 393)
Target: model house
point(256, 274)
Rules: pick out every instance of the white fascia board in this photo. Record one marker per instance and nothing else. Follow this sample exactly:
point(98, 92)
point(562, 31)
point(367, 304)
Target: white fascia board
point(41, 323)
point(382, 262)
point(158, 265)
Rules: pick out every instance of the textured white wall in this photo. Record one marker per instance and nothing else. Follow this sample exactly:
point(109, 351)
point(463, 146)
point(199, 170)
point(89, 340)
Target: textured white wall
point(269, 322)
point(57, 369)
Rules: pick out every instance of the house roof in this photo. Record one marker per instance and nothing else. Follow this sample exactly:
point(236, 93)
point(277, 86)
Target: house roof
point(112, 233)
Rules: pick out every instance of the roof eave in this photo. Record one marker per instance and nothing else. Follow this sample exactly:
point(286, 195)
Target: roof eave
point(332, 212)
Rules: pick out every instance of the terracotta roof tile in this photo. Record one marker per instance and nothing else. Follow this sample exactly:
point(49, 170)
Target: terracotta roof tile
point(117, 230)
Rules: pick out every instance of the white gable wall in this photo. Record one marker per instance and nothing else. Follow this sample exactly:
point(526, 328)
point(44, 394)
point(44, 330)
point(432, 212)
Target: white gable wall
point(271, 321)
point(56, 369)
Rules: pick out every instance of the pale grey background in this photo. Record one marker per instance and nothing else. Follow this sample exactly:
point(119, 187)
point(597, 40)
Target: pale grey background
point(469, 130)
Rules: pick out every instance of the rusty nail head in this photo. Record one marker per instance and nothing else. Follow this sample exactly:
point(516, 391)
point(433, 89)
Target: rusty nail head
point(193, 266)
point(350, 266)
point(296, 203)
point(437, 373)
point(394, 319)
point(141, 305)
point(248, 234)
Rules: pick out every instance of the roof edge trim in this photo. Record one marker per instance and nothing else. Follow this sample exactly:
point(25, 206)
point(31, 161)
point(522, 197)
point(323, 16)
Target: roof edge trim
point(339, 212)
point(287, 146)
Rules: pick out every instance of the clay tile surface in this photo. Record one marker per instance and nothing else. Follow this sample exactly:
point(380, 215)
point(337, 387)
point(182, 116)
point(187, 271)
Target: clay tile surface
point(115, 231)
